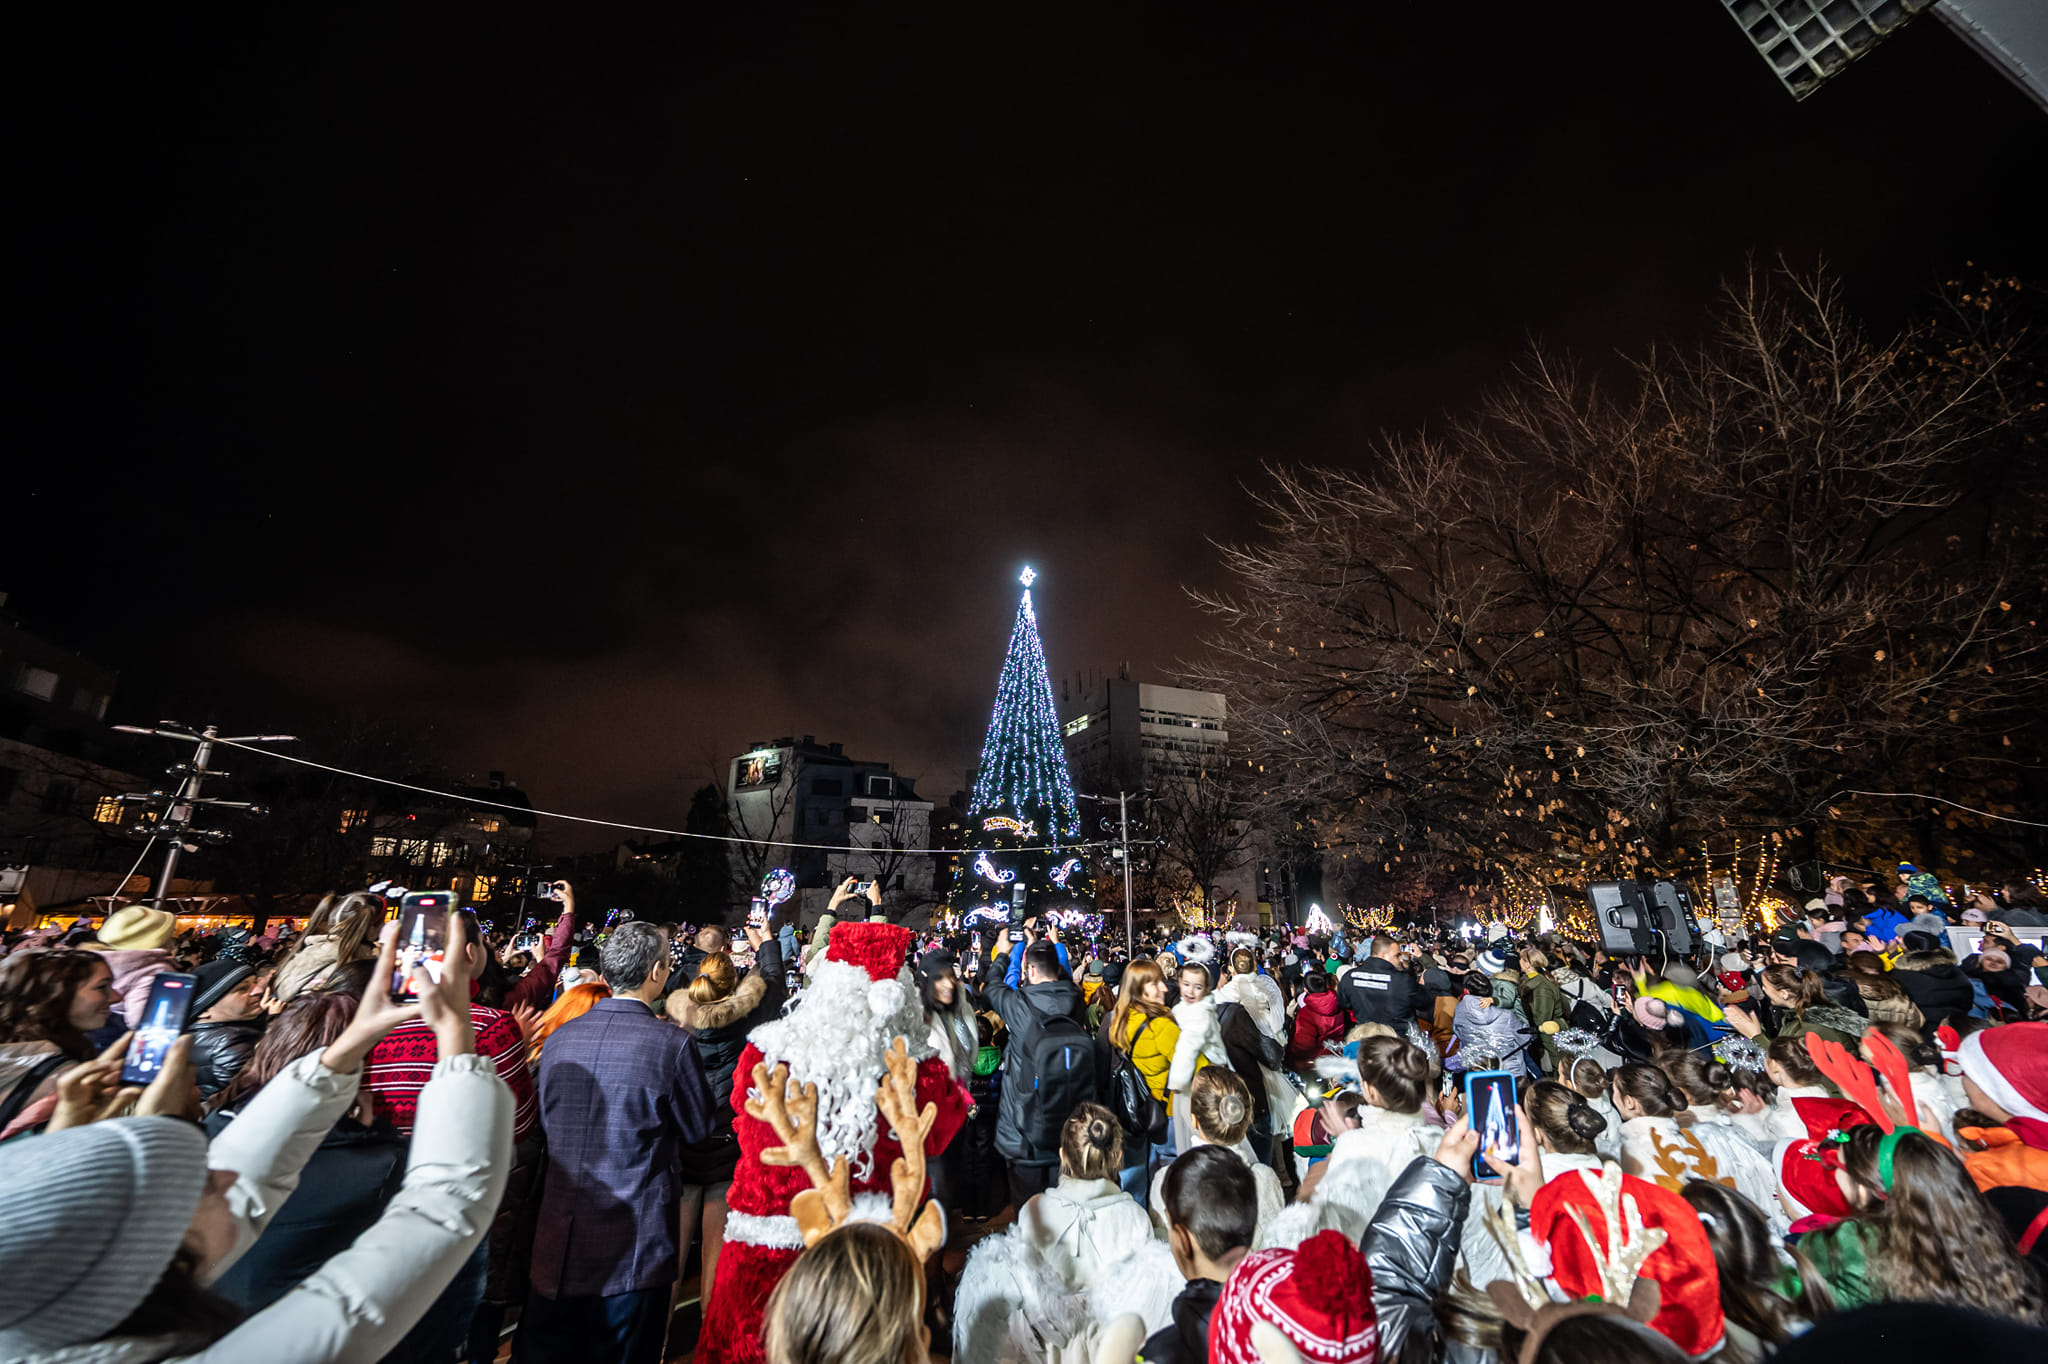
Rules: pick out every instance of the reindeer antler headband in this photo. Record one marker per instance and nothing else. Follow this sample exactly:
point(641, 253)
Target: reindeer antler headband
point(792, 1111)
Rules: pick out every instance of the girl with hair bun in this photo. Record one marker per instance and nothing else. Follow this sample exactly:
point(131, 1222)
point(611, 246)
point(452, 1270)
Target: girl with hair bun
point(1221, 1106)
point(1082, 1242)
point(1587, 1078)
point(1387, 1133)
point(1654, 1146)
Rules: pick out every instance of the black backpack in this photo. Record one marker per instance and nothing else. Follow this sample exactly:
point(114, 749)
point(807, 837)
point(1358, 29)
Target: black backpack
point(1584, 1013)
point(1059, 1076)
point(1130, 1098)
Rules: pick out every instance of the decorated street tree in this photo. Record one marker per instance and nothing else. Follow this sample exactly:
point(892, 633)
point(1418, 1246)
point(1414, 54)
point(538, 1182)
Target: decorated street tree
point(1019, 854)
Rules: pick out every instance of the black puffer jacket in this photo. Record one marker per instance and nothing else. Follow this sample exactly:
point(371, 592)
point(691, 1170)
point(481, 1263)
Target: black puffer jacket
point(1935, 984)
point(220, 1050)
point(1021, 1009)
point(1412, 1249)
point(721, 1029)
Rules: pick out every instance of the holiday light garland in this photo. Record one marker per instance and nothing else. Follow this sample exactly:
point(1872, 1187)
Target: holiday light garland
point(1023, 759)
point(1064, 870)
point(1370, 920)
point(1194, 910)
point(985, 868)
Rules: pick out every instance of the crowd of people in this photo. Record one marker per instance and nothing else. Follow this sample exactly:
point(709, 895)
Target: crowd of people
point(1019, 1145)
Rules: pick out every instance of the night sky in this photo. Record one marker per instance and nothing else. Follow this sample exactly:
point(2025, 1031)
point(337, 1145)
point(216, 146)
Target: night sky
point(603, 394)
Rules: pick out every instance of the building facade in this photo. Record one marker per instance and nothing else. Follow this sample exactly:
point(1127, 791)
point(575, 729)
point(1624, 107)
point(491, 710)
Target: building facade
point(808, 808)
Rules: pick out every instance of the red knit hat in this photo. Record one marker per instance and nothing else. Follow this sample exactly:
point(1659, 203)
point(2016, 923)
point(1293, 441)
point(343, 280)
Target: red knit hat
point(1318, 1296)
point(1683, 1267)
point(2010, 1064)
point(878, 949)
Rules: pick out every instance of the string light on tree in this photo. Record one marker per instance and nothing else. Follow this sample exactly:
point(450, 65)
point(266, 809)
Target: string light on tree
point(1023, 818)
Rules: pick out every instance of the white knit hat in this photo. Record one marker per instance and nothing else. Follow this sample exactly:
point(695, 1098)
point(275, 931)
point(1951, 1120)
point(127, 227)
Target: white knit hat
point(94, 1215)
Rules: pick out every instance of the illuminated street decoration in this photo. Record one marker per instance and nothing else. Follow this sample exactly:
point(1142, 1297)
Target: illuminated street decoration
point(984, 867)
point(1065, 870)
point(988, 914)
point(1006, 825)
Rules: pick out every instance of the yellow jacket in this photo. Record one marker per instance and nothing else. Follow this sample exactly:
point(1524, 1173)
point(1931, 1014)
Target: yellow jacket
point(1152, 1053)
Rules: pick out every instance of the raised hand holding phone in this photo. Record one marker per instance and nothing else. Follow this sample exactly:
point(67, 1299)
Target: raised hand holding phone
point(445, 1003)
point(93, 1091)
point(1524, 1170)
point(376, 1012)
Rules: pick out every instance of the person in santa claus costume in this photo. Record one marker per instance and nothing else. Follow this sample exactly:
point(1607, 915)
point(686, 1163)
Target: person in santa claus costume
point(861, 997)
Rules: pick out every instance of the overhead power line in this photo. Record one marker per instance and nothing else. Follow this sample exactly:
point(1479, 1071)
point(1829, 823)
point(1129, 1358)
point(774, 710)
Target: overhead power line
point(457, 799)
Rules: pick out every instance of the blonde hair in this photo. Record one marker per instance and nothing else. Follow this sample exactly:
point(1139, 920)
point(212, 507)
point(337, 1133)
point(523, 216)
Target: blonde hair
point(1361, 1031)
point(855, 1297)
point(1091, 1144)
point(715, 979)
point(1221, 1105)
point(574, 1003)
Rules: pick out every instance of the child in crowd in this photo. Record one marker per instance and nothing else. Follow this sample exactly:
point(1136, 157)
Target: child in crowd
point(1221, 1107)
point(1211, 1212)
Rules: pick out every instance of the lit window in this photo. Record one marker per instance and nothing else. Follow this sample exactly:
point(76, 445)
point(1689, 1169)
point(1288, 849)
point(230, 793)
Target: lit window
point(485, 887)
point(107, 809)
point(383, 846)
point(352, 820)
point(489, 824)
point(40, 683)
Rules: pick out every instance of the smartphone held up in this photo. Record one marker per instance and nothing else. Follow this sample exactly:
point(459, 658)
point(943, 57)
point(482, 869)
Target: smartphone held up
point(422, 941)
point(163, 1019)
point(1490, 1108)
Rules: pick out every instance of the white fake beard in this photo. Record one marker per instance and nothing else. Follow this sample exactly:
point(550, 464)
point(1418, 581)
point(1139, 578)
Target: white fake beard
point(838, 1038)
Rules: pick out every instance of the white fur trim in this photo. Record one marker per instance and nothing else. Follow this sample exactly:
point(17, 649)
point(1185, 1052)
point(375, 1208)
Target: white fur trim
point(1979, 1071)
point(773, 1233)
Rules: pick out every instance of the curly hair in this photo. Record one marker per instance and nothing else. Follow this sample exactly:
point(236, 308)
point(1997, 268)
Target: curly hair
point(36, 990)
point(1937, 1239)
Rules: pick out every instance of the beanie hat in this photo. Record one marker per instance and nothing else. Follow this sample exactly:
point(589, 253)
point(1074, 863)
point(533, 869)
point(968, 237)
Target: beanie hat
point(2010, 1064)
point(217, 979)
point(1496, 931)
point(1689, 1311)
point(1973, 915)
point(936, 963)
point(1817, 902)
point(1492, 962)
point(1318, 1296)
point(94, 1216)
point(138, 927)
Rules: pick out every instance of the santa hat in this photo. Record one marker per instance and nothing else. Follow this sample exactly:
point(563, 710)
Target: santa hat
point(1317, 1298)
point(1689, 1311)
point(1806, 1175)
point(878, 949)
point(2010, 1064)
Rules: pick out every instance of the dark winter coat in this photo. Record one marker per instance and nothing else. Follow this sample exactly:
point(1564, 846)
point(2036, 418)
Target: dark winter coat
point(1411, 1248)
point(342, 1190)
point(1936, 986)
point(721, 1030)
point(1376, 991)
point(1249, 1049)
point(1021, 1009)
point(220, 1050)
point(1185, 1338)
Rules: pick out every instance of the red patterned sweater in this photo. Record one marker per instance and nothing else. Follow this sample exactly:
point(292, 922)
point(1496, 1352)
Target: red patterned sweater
point(400, 1066)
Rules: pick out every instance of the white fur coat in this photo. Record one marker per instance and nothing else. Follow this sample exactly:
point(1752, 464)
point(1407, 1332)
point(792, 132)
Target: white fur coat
point(1201, 1038)
point(1079, 1254)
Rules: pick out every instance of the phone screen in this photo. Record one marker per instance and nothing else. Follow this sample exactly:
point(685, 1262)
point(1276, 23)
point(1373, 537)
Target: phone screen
point(758, 915)
point(1490, 1104)
point(163, 1019)
point(422, 942)
point(1621, 996)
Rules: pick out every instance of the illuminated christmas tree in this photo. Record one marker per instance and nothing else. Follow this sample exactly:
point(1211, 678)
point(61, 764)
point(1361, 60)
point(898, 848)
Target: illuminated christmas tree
point(1018, 854)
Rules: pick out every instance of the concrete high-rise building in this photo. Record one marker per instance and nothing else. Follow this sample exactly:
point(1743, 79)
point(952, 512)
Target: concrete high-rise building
point(1129, 736)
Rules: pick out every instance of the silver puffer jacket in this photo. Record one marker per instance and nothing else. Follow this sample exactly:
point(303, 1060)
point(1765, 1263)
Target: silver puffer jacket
point(1412, 1249)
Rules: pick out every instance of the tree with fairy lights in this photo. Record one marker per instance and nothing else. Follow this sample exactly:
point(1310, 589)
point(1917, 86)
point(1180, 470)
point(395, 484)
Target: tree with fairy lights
point(1020, 849)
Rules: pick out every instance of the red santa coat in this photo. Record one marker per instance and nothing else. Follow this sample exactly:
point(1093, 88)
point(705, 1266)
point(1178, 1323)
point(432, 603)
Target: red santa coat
point(757, 1251)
